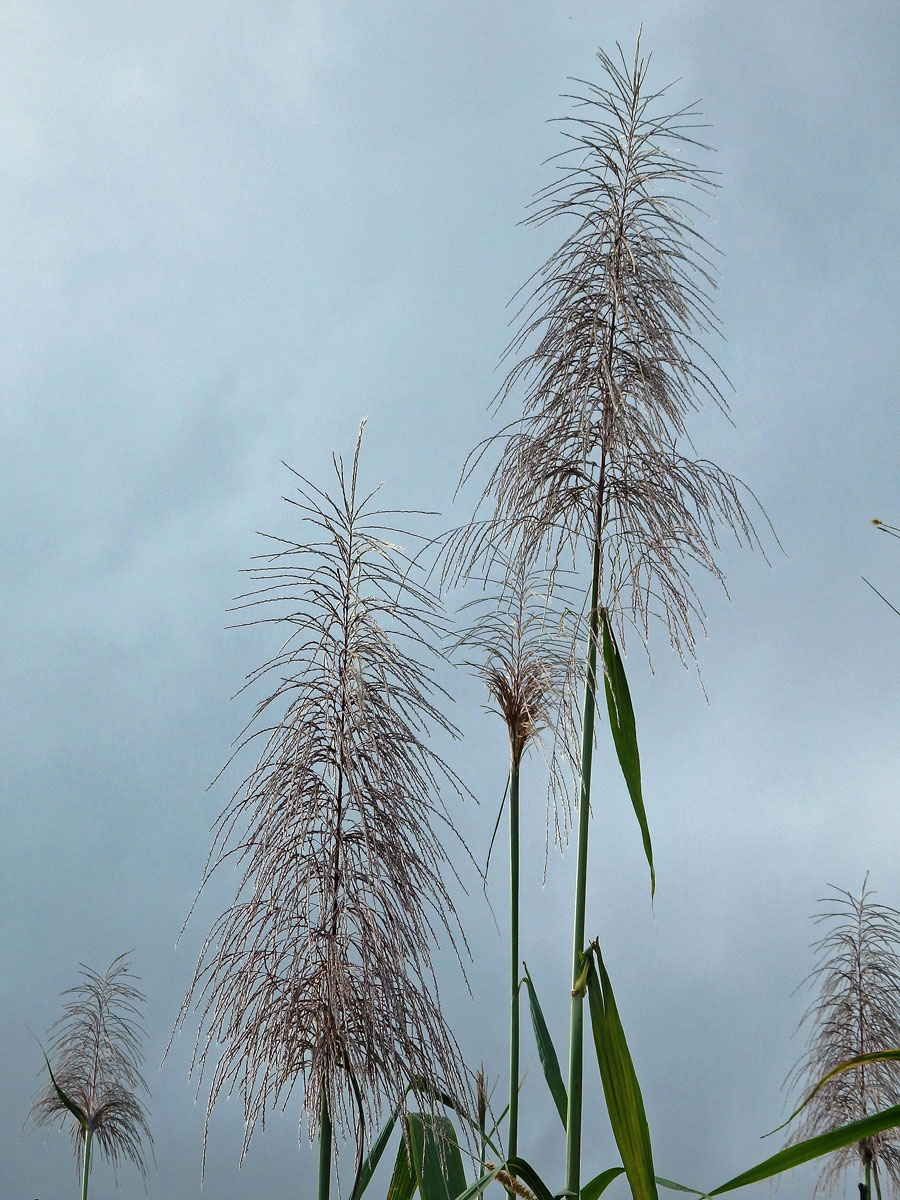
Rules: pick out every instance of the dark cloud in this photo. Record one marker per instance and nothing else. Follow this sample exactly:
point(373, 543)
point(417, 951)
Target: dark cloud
point(230, 233)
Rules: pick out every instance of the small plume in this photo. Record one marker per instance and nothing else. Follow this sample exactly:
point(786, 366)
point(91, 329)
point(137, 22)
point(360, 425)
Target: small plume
point(856, 1010)
point(94, 1054)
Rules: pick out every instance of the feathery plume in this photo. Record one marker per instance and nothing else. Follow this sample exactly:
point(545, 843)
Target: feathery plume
point(609, 361)
point(320, 974)
point(94, 1080)
point(856, 1010)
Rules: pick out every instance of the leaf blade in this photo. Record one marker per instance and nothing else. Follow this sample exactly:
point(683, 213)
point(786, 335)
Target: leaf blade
point(547, 1051)
point(519, 1168)
point(823, 1143)
point(437, 1161)
point(597, 1186)
point(624, 1103)
point(403, 1180)
point(370, 1163)
point(858, 1060)
point(621, 721)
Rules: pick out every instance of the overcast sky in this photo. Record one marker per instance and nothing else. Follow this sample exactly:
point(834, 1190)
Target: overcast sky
point(230, 231)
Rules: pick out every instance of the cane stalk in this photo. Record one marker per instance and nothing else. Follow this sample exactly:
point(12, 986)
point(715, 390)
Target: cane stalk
point(513, 1130)
point(576, 1017)
point(325, 1141)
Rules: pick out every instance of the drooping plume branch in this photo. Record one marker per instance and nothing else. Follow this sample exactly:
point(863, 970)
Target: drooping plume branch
point(320, 974)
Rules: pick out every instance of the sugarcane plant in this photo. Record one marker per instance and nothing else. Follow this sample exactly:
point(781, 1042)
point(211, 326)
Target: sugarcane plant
point(607, 364)
point(320, 973)
point(849, 1069)
point(93, 1080)
point(518, 648)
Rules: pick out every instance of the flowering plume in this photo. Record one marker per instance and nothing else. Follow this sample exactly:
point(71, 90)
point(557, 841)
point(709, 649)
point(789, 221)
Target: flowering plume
point(93, 1060)
point(856, 1011)
point(609, 362)
point(521, 650)
point(320, 972)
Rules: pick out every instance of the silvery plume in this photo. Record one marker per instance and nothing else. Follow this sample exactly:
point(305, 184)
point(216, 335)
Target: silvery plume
point(94, 1082)
point(608, 363)
point(319, 975)
point(855, 1010)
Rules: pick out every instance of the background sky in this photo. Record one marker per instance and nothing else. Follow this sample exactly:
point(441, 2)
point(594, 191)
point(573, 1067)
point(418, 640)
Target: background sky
point(231, 231)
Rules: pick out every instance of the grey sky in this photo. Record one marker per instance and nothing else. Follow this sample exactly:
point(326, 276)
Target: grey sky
point(229, 232)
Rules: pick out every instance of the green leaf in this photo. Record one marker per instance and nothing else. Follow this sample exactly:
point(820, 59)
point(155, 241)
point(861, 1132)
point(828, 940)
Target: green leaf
point(547, 1052)
point(403, 1180)
point(418, 1084)
point(519, 1168)
point(436, 1158)
point(598, 1185)
point(857, 1061)
point(480, 1184)
point(824, 1143)
point(621, 720)
point(620, 1086)
point(64, 1099)
point(368, 1166)
point(677, 1187)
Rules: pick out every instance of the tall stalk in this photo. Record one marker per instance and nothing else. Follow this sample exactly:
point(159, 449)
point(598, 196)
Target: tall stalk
point(86, 1167)
point(522, 663)
point(513, 1133)
point(325, 1140)
point(576, 1016)
point(608, 362)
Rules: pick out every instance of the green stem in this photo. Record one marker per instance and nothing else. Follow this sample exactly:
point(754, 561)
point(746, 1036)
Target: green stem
point(514, 958)
point(86, 1170)
point(576, 1020)
point(324, 1150)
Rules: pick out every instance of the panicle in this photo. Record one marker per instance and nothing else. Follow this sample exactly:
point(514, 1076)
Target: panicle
point(319, 975)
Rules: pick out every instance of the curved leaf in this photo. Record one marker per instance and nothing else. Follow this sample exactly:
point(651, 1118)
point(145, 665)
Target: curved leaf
point(621, 720)
point(436, 1158)
point(519, 1168)
point(64, 1099)
point(824, 1143)
point(367, 1168)
point(598, 1185)
point(624, 1102)
point(857, 1061)
point(479, 1185)
point(547, 1052)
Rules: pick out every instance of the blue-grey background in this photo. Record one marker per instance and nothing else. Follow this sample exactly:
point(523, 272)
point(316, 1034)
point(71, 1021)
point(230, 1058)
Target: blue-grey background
point(227, 233)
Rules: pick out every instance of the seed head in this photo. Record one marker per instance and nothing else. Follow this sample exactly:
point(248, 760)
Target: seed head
point(94, 1054)
point(319, 975)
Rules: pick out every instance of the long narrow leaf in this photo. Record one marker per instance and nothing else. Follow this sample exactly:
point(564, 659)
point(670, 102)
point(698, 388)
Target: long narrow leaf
point(624, 1102)
point(621, 720)
point(824, 1143)
point(63, 1098)
point(547, 1052)
point(403, 1180)
point(598, 1185)
point(857, 1061)
point(480, 1184)
point(519, 1168)
point(436, 1158)
point(369, 1164)
point(454, 1106)
point(678, 1187)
